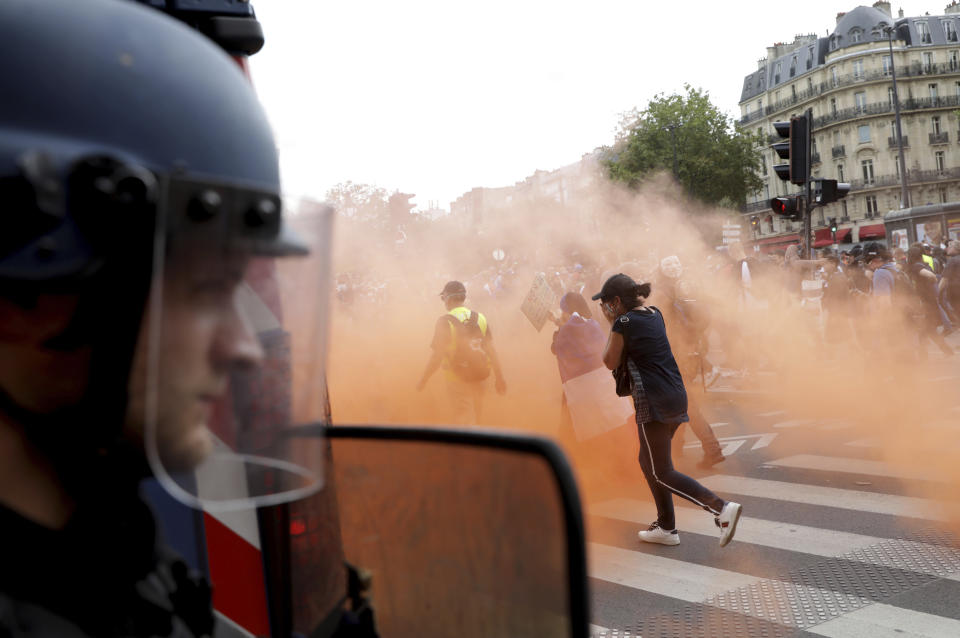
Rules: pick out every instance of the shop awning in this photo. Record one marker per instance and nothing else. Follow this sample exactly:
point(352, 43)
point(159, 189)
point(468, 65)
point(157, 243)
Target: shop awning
point(822, 237)
point(843, 234)
point(873, 231)
point(782, 239)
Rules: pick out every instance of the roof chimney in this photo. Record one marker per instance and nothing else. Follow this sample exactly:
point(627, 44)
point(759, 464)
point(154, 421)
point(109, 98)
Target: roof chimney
point(883, 5)
point(953, 7)
point(840, 16)
point(900, 13)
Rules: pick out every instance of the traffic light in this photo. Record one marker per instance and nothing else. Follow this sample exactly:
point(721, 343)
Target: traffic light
point(833, 224)
point(831, 190)
point(796, 149)
point(787, 206)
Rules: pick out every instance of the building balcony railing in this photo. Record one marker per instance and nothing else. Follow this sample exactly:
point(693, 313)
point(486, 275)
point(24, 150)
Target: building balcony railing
point(753, 207)
point(892, 141)
point(913, 177)
point(915, 69)
point(838, 151)
point(940, 138)
point(884, 108)
point(815, 158)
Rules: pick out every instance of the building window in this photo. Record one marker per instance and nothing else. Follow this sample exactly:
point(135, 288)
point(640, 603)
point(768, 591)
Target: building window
point(843, 206)
point(864, 133)
point(856, 35)
point(871, 201)
point(935, 124)
point(867, 168)
point(834, 78)
point(890, 95)
point(776, 98)
point(885, 63)
point(840, 173)
point(943, 195)
point(896, 163)
point(793, 66)
point(793, 91)
point(957, 86)
point(776, 73)
point(833, 106)
point(927, 62)
point(810, 58)
point(809, 86)
point(939, 158)
point(954, 60)
point(923, 30)
point(949, 30)
point(834, 42)
point(932, 88)
point(760, 105)
point(860, 101)
point(858, 70)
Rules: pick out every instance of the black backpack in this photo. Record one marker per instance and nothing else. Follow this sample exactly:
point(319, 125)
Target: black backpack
point(905, 294)
point(470, 361)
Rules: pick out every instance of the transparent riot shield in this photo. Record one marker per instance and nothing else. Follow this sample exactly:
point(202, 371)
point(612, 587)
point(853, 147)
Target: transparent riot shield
point(235, 330)
point(462, 532)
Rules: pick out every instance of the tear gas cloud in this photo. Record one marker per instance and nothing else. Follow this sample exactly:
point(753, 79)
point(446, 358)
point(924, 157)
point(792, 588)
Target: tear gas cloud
point(384, 315)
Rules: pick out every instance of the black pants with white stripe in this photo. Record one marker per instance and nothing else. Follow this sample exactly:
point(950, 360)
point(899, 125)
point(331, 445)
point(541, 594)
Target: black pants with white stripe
point(664, 481)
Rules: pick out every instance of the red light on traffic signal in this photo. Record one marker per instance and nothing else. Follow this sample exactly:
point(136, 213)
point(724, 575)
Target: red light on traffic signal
point(297, 528)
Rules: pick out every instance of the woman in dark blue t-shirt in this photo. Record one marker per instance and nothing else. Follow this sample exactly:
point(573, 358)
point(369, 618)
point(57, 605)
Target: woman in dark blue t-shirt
point(638, 340)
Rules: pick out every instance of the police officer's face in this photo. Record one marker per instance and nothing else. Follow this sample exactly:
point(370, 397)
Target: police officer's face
point(203, 336)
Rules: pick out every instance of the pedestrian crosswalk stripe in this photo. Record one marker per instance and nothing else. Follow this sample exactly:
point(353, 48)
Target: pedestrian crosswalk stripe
point(883, 621)
point(856, 500)
point(596, 630)
point(793, 423)
point(786, 536)
point(853, 466)
point(659, 575)
point(774, 413)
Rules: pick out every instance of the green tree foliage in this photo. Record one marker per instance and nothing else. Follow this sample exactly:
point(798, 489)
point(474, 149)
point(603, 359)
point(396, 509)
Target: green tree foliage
point(716, 162)
point(361, 203)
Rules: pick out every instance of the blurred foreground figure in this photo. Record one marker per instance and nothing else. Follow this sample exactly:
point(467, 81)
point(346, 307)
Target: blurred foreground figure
point(140, 188)
point(687, 320)
point(463, 346)
point(640, 352)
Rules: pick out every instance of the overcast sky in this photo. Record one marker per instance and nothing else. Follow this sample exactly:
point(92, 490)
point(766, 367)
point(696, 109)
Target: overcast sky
point(434, 97)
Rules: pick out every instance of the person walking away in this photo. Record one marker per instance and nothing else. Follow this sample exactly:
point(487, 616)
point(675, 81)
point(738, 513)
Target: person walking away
point(687, 321)
point(925, 283)
point(638, 345)
point(578, 345)
point(837, 301)
point(949, 286)
point(463, 346)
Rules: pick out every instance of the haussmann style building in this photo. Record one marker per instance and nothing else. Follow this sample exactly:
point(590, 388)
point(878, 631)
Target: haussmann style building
point(846, 78)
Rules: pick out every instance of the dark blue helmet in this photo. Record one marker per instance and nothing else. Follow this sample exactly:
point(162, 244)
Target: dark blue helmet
point(108, 109)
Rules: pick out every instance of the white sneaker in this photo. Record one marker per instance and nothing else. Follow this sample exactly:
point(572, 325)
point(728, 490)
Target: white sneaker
point(656, 534)
point(727, 521)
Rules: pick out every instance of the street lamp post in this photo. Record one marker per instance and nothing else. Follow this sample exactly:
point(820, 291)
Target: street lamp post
point(888, 30)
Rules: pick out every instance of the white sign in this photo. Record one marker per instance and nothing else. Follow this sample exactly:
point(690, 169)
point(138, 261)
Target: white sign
point(594, 405)
point(498, 254)
point(539, 302)
point(731, 233)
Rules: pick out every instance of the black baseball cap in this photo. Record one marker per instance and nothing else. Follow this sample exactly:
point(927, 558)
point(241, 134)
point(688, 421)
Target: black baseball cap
point(619, 285)
point(453, 288)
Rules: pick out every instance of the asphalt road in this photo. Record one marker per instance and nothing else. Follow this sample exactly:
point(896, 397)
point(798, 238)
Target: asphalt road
point(834, 540)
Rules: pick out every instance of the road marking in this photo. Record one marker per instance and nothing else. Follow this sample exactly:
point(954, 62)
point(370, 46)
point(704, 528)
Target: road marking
point(854, 466)
point(757, 531)
point(855, 500)
point(775, 413)
point(836, 425)
point(794, 423)
point(659, 575)
point(733, 443)
point(596, 630)
point(886, 621)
